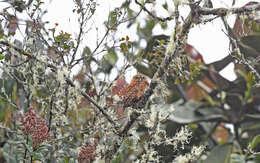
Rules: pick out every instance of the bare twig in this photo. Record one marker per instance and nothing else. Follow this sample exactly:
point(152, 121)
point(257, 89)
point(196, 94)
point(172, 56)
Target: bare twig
point(90, 55)
point(84, 16)
point(239, 56)
point(25, 152)
point(51, 114)
point(152, 15)
point(102, 110)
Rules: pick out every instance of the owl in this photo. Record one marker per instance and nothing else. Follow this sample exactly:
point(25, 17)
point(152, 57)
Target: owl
point(133, 91)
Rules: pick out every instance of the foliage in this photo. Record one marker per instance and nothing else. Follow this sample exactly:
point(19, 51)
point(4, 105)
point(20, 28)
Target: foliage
point(61, 101)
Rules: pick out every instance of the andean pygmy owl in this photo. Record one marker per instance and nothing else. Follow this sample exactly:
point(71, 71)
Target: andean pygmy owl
point(133, 91)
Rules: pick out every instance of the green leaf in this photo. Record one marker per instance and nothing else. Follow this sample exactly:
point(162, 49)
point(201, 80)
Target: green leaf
point(252, 41)
point(165, 6)
point(108, 61)
point(130, 12)
point(118, 158)
point(37, 156)
point(86, 51)
point(254, 26)
point(58, 38)
point(257, 158)
point(219, 154)
point(66, 160)
point(248, 94)
point(2, 57)
point(123, 48)
point(254, 142)
point(237, 158)
point(111, 58)
point(150, 24)
point(113, 18)
point(188, 113)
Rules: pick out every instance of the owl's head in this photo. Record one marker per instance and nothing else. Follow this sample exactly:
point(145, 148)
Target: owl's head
point(140, 78)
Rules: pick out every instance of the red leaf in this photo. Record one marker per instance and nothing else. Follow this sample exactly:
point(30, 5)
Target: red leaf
point(120, 112)
point(120, 83)
point(193, 53)
point(13, 25)
point(109, 100)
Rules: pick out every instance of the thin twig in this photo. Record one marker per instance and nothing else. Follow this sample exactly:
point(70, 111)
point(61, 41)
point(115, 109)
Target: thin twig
point(51, 109)
point(25, 152)
point(152, 15)
point(81, 31)
point(90, 55)
point(102, 110)
point(239, 56)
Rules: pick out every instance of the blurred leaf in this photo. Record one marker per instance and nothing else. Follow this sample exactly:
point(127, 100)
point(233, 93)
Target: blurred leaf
point(118, 158)
point(120, 83)
point(2, 110)
point(163, 25)
point(247, 50)
point(149, 71)
point(37, 156)
point(19, 5)
point(66, 160)
point(237, 158)
point(252, 127)
point(123, 48)
point(188, 113)
point(200, 89)
point(208, 4)
point(86, 51)
point(257, 158)
point(2, 57)
point(252, 41)
point(8, 116)
point(150, 24)
point(254, 142)
point(9, 86)
point(112, 18)
point(147, 30)
point(220, 154)
point(13, 25)
point(165, 6)
point(111, 58)
point(253, 25)
point(108, 61)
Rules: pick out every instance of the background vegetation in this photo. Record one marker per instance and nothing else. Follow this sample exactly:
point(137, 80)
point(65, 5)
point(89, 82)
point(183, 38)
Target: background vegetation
point(64, 101)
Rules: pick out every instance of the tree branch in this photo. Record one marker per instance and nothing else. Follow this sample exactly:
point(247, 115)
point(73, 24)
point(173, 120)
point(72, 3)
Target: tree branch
point(54, 68)
point(225, 11)
point(152, 15)
point(159, 73)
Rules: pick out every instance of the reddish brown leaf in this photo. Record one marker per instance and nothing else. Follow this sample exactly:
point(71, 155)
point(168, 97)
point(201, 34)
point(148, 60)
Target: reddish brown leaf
point(193, 53)
point(13, 25)
point(120, 83)
point(109, 100)
point(120, 112)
